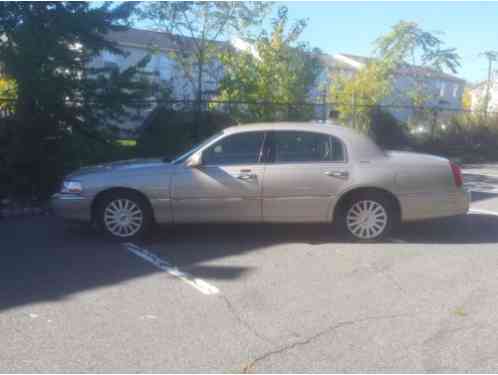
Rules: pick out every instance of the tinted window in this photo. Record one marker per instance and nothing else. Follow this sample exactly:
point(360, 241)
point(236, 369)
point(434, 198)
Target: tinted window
point(296, 146)
point(242, 148)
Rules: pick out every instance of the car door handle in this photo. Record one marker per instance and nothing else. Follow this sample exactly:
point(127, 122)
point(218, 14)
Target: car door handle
point(337, 174)
point(246, 176)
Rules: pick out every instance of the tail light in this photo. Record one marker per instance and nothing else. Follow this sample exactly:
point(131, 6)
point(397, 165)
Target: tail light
point(457, 174)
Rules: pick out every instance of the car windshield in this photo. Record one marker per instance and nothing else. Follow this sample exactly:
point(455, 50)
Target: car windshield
point(181, 158)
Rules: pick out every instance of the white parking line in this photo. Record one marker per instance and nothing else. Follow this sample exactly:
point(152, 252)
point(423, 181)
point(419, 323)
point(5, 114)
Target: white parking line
point(482, 212)
point(164, 265)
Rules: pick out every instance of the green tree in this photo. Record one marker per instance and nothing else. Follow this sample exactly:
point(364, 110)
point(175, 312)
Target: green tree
point(420, 56)
point(274, 68)
point(47, 49)
point(355, 98)
point(199, 31)
point(406, 51)
point(8, 94)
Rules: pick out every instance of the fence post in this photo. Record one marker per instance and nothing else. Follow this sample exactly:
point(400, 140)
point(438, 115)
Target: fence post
point(353, 106)
point(324, 107)
point(434, 123)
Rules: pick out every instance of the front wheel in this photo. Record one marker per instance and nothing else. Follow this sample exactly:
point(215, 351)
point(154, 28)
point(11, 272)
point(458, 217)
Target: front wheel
point(124, 216)
point(367, 218)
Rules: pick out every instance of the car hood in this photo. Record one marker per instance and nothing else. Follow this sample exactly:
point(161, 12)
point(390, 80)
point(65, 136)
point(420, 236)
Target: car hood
point(138, 165)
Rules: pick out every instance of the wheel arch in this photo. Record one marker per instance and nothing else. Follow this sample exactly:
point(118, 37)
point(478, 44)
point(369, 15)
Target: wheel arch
point(346, 197)
point(114, 190)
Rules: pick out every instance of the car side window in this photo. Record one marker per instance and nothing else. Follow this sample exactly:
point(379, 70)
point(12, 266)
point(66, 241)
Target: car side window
point(298, 146)
point(241, 148)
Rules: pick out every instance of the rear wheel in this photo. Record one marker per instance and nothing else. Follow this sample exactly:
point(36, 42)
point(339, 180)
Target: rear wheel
point(124, 215)
point(367, 218)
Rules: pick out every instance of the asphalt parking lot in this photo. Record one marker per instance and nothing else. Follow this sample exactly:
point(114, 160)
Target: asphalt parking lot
point(253, 298)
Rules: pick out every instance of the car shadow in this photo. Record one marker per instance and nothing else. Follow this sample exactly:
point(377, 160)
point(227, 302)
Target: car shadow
point(190, 245)
point(41, 261)
point(44, 260)
point(467, 229)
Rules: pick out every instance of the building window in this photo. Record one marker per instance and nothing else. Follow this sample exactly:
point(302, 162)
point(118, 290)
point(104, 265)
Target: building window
point(110, 59)
point(163, 66)
point(442, 87)
point(455, 90)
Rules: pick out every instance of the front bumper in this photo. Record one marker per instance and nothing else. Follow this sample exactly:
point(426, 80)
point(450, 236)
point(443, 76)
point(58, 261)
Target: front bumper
point(71, 206)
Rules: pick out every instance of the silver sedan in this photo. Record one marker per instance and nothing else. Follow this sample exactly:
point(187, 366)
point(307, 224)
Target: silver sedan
point(275, 173)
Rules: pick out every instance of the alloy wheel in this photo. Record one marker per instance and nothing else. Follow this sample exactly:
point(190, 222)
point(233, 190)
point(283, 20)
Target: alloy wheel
point(366, 219)
point(123, 217)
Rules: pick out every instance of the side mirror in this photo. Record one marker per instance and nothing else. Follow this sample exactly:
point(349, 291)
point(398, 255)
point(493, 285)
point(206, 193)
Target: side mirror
point(195, 161)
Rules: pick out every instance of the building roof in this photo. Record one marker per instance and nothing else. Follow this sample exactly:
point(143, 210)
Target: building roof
point(332, 62)
point(408, 69)
point(154, 39)
point(167, 41)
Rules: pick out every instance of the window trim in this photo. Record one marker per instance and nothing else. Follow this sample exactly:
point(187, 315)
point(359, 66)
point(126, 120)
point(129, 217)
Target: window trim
point(271, 159)
point(260, 152)
point(456, 89)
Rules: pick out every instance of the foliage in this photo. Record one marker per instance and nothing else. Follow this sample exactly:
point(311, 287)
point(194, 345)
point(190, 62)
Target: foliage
point(466, 99)
point(57, 87)
point(80, 150)
point(274, 68)
point(468, 138)
point(408, 46)
point(8, 94)
point(419, 56)
point(387, 131)
point(165, 134)
point(356, 97)
point(408, 51)
point(199, 31)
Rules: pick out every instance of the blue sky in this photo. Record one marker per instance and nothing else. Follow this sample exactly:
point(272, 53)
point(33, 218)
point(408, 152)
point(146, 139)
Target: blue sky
point(351, 27)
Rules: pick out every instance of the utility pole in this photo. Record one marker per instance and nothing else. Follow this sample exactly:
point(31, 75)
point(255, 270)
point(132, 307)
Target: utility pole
point(492, 56)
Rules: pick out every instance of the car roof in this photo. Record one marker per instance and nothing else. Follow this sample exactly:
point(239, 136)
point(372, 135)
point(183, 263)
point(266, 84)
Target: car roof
point(365, 147)
point(305, 126)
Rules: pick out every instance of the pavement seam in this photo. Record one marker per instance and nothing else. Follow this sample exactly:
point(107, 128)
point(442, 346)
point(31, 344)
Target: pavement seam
point(264, 356)
point(387, 276)
point(242, 322)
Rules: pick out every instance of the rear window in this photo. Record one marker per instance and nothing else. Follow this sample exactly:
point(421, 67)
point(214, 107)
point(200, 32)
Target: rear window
point(298, 146)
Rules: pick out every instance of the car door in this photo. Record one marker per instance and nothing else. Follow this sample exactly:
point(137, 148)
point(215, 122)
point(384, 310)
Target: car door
point(226, 187)
point(305, 171)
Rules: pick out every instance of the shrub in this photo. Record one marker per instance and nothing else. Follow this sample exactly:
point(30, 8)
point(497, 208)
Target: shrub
point(468, 138)
point(388, 132)
point(169, 133)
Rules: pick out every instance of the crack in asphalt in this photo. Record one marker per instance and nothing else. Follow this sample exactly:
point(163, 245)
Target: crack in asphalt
point(316, 336)
point(389, 277)
point(242, 322)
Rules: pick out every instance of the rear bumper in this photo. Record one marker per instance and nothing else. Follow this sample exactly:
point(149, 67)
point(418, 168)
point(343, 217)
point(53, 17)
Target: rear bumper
point(71, 207)
point(420, 206)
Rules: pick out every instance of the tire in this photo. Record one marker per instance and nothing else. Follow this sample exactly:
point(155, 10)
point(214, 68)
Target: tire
point(367, 218)
point(124, 216)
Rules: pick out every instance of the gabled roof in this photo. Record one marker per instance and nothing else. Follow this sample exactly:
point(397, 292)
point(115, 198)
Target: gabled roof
point(408, 69)
point(360, 59)
point(154, 39)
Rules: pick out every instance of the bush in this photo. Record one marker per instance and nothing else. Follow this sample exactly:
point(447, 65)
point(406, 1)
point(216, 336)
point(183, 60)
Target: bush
point(169, 133)
point(468, 139)
point(388, 132)
point(80, 150)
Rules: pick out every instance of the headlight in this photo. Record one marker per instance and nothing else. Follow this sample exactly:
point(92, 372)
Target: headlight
point(71, 187)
